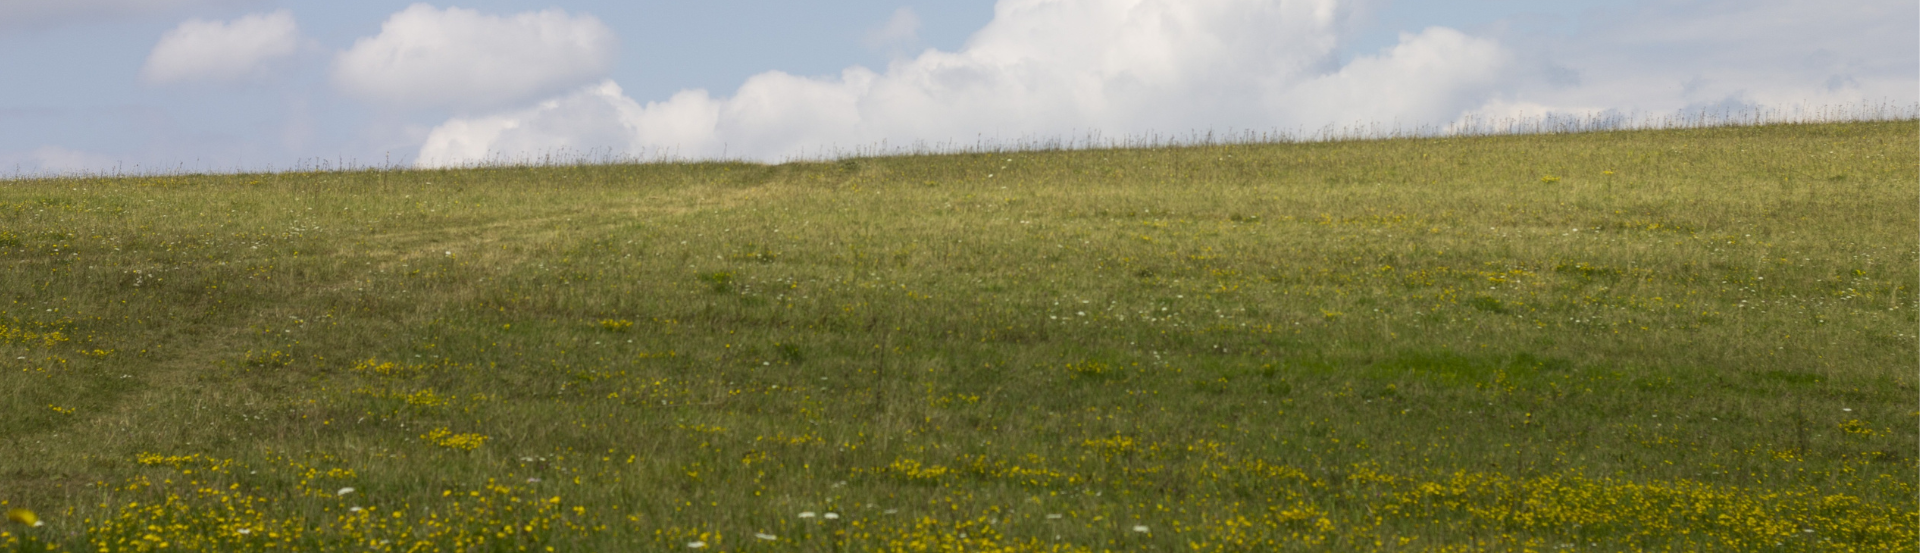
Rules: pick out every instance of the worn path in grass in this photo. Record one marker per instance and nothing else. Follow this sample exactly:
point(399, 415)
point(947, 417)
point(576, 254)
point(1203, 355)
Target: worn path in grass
point(1690, 339)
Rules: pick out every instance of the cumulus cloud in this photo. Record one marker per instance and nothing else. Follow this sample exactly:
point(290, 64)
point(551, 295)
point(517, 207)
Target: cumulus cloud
point(430, 57)
point(38, 14)
point(596, 120)
point(900, 30)
point(202, 50)
point(1054, 68)
point(1402, 81)
point(1039, 68)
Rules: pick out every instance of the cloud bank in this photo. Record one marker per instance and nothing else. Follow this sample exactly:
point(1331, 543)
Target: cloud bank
point(1040, 68)
point(201, 50)
point(430, 57)
point(1053, 68)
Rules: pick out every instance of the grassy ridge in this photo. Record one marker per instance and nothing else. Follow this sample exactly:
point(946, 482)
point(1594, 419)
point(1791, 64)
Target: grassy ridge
point(1676, 339)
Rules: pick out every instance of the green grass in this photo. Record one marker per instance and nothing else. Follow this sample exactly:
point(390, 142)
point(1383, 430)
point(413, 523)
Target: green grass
point(1683, 339)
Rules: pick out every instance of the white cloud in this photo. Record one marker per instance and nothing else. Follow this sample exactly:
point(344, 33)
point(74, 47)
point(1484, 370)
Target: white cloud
point(201, 50)
point(1061, 68)
point(901, 29)
point(39, 14)
point(1040, 68)
point(425, 56)
point(595, 121)
point(1428, 77)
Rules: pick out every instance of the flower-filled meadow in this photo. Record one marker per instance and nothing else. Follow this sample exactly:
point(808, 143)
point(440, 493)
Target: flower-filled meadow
point(1693, 339)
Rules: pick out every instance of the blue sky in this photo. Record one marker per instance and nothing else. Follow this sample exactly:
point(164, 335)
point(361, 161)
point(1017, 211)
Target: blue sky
point(223, 85)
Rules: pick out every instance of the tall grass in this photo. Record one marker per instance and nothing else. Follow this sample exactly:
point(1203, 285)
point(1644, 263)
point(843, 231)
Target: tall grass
point(1696, 338)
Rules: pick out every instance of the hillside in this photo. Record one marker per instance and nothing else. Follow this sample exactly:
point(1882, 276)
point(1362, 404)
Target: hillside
point(1686, 339)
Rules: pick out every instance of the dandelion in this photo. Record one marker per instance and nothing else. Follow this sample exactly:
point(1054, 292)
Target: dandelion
point(24, 516)
point(344, 491)
point(448, 439)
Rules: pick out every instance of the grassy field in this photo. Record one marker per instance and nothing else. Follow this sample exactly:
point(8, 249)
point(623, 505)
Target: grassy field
point(1688, 339)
